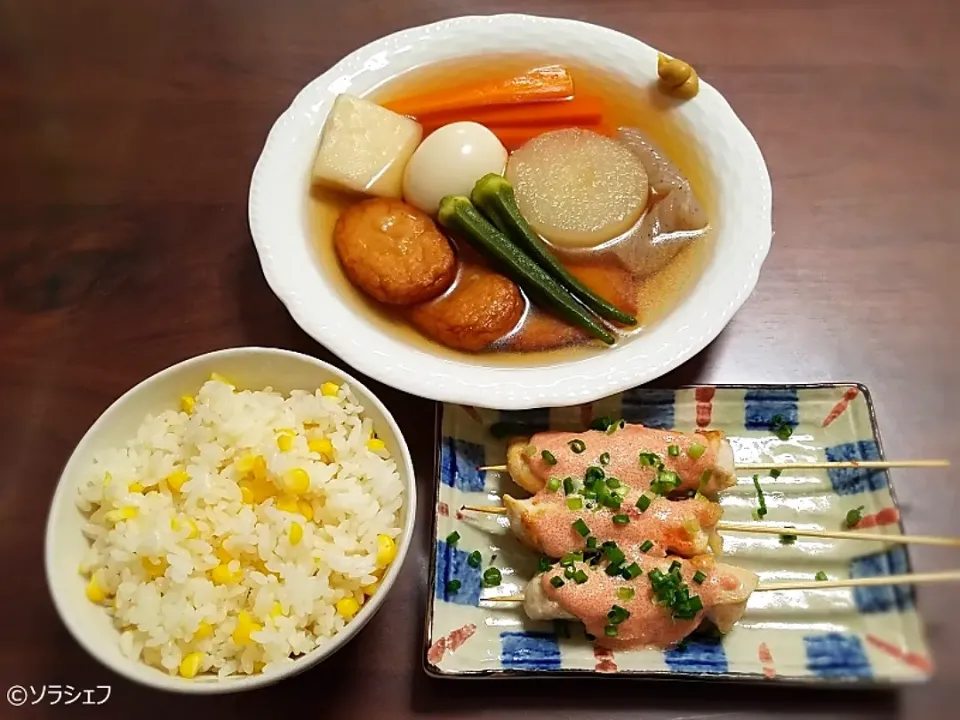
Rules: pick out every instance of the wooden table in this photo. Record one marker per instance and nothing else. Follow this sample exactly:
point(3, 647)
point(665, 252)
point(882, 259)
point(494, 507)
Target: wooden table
point(128, 132)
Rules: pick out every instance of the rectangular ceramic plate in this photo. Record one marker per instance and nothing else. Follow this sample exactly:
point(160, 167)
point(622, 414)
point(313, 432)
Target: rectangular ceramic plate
point(866, 635)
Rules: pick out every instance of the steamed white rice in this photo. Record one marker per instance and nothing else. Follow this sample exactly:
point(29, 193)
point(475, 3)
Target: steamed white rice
point(154, 549)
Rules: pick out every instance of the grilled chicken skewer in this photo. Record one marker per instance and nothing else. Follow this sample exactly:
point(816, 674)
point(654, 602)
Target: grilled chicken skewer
point(636, 455)
point(663, 604)
point(682, 527)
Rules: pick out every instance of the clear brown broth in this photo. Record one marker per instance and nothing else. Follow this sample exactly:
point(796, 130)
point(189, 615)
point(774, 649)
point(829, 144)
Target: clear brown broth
point(647, 111)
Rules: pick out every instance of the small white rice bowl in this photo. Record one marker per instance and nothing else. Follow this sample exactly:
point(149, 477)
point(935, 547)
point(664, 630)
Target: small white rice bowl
point(236, 537)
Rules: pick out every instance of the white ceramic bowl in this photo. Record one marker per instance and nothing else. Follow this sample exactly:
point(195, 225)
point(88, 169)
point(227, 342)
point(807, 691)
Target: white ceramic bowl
point(277, 209)
point(250, 368)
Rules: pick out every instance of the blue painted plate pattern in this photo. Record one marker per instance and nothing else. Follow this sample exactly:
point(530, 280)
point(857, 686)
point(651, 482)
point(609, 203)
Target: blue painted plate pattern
point(865, 634)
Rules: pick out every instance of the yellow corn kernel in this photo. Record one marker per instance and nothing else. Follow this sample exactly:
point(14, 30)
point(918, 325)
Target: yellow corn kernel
point(329, 389)
point(259, 468)
point(375, 445)
point(285, 440)
point(260, 489)
point(244, 463)
point(217, 377)
point(296, 481)
point(296, 533)
point(135, 487)
point(287, 504)
point(386, 550)
point(176, 479)
point(245, 626)
point(190, 665)
point(322, 446)
point(127, 512)
point(95, 593)
point(223, 555)
point(305, 509)
point(258, 666)
point(246, 494)
point(187, 404)
point(204, 630)
point(348, 607)
point(155, 568)
point(276, 610)
point(222, 575)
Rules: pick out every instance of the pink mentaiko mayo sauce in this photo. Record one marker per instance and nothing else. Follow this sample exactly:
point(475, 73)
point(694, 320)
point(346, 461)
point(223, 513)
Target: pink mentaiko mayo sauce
point(680, 527)
point(649, 624)
point(624, 447)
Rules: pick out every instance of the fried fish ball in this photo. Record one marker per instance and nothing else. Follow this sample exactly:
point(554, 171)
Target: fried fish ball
point(482, 307)
point(393, 252)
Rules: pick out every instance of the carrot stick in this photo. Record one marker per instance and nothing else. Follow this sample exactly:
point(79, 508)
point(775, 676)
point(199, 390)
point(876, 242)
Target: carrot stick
point(513, 137)
point(578, 110)
point(551, 82)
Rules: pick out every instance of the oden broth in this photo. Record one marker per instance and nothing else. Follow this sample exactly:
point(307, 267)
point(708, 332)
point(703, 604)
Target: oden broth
point(646, 110)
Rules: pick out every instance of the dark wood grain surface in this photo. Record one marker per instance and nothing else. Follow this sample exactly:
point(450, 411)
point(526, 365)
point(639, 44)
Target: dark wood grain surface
point(128, 132)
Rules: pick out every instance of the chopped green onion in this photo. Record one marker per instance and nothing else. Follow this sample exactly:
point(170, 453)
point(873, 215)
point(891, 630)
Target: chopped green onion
point(613, 569)
point(820, 576)
point(619, 425)
point(591, 543)
point(696, 604)
point(621, 519)
point(610, 500)
point(780, 427)
point(673, 450)
point(613, 483)
point(605, 458)
point(617, 615)
point(544, 565)
point(580, 577)
point(601, 423)
point(453, 537)
point(557, 581)
point(647, 544)
point(643, 502)
point(631, 571)
point(581, 527)
point(568, 573)
point(567, 485)
point(699, 577)
point(696, 451)
point(760, 499)
point(574, 503)
point(788, 539)
point(675, 566)
point(665, 482)
point(593, 476)
point(648, 459)
point(453, 586)
point(553, 484)
point(491, 577)
point(571, 558)
point(548, 457)
point(625, 593)
point(775, 473)
point(610, 630)
point(577, 445)
point(704, 480)
point(589, 495)
point(474, 559)
point(614, 554)
point(854, 517)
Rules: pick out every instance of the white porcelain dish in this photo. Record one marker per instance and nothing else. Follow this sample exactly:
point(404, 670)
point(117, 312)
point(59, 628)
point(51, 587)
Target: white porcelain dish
point(278, 214)
point(249, 368)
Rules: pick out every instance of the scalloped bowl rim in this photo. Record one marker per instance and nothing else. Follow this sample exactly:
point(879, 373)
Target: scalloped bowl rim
point(90, 627)
point(278, 227)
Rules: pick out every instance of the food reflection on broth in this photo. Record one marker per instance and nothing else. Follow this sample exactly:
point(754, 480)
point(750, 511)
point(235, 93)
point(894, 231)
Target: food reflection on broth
point(617, 160)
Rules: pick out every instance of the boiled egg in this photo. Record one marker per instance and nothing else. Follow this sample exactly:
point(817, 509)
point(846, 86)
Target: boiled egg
point(449, 162)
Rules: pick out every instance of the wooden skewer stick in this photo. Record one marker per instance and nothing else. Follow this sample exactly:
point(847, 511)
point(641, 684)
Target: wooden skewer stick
point(835, 534)
point(848, 464)
point(906, 579)
point(842, 535)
